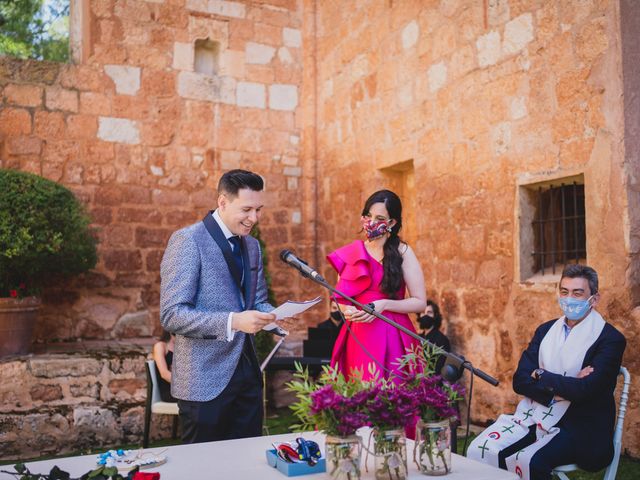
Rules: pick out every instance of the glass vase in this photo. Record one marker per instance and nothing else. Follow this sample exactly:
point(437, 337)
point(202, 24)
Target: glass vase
point(432, 450)
point(390, 455)
point(342, 455)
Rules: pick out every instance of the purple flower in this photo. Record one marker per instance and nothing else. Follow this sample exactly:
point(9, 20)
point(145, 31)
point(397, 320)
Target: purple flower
point(434, 398)
point(339, 413)
point(350, 421)
point(323, 399)
point(391, 406)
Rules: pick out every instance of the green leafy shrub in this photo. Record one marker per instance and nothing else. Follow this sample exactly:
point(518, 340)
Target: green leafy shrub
point(44, 234)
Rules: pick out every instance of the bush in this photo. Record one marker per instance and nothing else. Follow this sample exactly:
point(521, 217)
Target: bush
point(44, 234)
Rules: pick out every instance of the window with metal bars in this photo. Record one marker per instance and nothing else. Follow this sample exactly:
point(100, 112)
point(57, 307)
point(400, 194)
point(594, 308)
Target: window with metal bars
point(559, 234)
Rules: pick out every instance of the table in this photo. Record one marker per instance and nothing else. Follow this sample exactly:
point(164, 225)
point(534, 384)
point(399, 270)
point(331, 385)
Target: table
point(245, 459)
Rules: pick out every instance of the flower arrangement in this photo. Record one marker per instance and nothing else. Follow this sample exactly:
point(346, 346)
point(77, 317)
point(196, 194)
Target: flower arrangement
point(436, 405)
point(331, 403)
point(390, 406)
point(336, 406)
point(391, 409)
point(340, 406)
point(436, 398)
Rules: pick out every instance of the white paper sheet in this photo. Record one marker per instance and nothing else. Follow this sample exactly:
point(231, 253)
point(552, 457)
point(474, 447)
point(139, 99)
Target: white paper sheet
point(289, 309)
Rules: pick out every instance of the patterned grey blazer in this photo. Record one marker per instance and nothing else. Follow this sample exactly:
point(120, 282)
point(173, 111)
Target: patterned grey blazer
point(197, 293)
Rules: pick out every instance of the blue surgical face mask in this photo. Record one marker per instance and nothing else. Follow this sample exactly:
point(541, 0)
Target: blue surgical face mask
point(573, 308)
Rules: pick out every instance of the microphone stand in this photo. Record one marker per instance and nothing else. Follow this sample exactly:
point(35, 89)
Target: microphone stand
point(273, 351)
point(454, 363)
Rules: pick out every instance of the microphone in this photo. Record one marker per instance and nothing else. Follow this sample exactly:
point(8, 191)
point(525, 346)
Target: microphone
point(288, 257)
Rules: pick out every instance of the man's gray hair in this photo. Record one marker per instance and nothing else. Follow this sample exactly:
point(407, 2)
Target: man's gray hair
point(582, 271)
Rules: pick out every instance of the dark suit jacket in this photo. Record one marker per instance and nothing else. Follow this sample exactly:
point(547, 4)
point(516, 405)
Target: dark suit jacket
point(591, 416)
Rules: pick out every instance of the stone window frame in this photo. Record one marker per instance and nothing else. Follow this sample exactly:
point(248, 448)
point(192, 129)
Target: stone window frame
point(525, 214)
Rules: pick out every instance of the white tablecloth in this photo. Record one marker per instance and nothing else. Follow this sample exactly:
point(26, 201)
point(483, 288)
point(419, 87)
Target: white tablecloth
point(245, 459)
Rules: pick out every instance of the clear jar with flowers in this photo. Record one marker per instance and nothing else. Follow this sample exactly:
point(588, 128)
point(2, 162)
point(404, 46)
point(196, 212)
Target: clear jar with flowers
point(335, 406)
point(391, 408)
point(436, 407)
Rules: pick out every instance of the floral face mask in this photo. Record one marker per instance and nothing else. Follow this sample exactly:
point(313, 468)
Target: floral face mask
point(375, 228)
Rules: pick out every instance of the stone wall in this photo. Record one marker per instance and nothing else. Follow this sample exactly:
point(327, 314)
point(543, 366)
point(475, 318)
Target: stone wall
point(454, 103)
point(58, 403)
point(457, 104)
point(142, 138)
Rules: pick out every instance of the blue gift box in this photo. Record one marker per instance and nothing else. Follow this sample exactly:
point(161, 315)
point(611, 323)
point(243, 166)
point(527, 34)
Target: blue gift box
point(294, 469)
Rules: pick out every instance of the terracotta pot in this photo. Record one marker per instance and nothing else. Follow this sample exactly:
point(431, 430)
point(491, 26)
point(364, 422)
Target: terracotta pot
point(17, 319)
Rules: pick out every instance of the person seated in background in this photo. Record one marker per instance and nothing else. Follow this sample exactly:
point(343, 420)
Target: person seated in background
point(333, 324)
point(430, 322)
point(323, 337)
point(163, 357)
point(567, 374)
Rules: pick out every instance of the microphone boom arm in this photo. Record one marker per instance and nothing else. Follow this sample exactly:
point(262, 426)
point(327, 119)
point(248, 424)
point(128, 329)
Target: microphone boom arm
point(453, 358)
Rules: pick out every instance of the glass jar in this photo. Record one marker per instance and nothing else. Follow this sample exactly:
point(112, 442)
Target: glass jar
point(390, 455)
point(432, 449)
point(342, 455)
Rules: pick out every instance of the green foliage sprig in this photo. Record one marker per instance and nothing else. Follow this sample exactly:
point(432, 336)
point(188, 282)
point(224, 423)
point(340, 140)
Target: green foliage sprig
point(100, 473)
point(44, 233)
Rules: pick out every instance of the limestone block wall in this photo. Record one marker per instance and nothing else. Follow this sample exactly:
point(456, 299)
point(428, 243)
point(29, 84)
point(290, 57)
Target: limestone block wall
point(457, 104)
point(61, 403)
point(142, 129)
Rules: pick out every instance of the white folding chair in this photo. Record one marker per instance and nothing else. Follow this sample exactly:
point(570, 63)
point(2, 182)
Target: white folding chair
point(610, 472)
point(155, 404)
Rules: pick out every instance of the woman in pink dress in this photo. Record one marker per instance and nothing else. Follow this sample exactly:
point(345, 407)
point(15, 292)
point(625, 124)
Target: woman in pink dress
point(382, 271)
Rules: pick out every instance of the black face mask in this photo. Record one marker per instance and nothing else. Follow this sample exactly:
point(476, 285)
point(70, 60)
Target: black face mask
point(426, 322)
point(336, 316)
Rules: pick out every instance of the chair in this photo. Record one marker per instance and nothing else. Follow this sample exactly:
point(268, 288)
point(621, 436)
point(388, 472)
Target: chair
point(155, 404)
point(610, 472)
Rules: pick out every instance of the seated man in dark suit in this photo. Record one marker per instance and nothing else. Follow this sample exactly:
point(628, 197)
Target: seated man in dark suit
point(568, 375)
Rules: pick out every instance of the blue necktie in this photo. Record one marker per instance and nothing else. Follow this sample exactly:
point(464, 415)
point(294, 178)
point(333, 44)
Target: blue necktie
point(237, 251)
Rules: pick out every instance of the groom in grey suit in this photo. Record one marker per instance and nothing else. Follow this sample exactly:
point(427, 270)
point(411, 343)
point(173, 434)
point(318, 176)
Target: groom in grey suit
point(214, 298)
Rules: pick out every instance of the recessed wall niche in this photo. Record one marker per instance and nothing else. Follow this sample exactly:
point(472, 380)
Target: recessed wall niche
point(206, 57)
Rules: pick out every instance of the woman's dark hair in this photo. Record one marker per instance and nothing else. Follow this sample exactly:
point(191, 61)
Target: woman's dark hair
point(437, 316)
point(392, 261)
point(165, 336)
point(237, 179)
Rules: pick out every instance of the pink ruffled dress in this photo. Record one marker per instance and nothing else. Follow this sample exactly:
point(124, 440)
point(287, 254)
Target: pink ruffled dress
point(360, 277)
